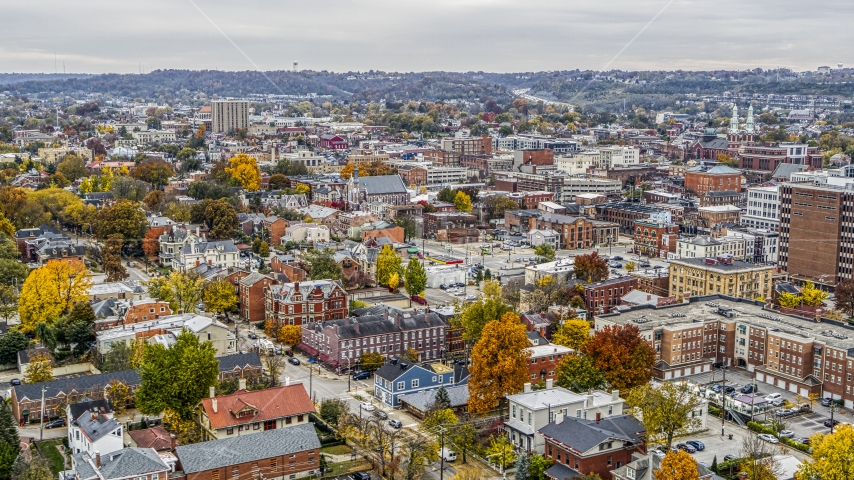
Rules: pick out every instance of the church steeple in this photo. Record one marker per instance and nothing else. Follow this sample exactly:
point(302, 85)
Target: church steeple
point(733, 123)
point(749, 126)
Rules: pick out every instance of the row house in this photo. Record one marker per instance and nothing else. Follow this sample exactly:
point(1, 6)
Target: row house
point(250, 294)
point(575, 232)
point(543, 360)
point(602, 297)
point(342, 342)
point(307, 302)
point(625, 214)
point(791, 352)
point(655, 239)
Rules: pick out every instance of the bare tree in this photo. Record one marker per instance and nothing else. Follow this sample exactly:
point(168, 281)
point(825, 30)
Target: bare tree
point(758, 458)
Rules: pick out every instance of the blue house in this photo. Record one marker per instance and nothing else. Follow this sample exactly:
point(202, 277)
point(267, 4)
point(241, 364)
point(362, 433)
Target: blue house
point(399, 377)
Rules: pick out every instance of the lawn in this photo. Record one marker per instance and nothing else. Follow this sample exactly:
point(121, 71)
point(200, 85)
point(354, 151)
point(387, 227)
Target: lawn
point(343, 468)
point(336, 450)
point(54, 458)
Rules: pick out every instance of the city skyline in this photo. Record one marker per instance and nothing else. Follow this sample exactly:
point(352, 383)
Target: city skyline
point(488, 35)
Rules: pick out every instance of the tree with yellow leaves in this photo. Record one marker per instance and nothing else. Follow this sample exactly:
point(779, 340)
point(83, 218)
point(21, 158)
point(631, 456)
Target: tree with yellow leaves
point(50, 291)
point(40, 369)
point(831, 456)
point(290, 335)
point(118, 393)
point(499, 363)
point(347, 171)
point(573, 333)
point(388, 263)
point(678, 466)
point(244, 169)
point(462, 202)
point(302, 189)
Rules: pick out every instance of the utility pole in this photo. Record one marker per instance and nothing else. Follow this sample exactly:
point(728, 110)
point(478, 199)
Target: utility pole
point(442, 454)
point(723, 399)
point(41, 420)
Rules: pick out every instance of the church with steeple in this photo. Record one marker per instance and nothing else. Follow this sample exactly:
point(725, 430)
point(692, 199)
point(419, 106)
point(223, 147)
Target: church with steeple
point(738, 136)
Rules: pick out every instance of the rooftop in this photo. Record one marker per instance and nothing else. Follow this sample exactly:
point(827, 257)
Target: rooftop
point(558, 396)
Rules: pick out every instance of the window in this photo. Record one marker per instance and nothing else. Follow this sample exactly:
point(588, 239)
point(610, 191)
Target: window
point(229, 431)
point(235, 473)
point(415, 383)
point(274, 465)
point(401, 385)
point(215, 475)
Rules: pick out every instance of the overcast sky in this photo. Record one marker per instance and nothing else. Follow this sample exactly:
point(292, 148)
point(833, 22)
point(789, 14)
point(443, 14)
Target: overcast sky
point(97, 36)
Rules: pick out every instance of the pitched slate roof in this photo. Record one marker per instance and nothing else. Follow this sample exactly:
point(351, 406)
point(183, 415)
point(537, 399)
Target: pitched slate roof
point(76, 384)
point(382, 184)
point(270, 403)
point(124, 463)
point(560, 471)
point(582, 435)
point(239, 360)
point(226, 452)
point(227, 247)
point(79, 408)
point(370, 325)
point(96, 427)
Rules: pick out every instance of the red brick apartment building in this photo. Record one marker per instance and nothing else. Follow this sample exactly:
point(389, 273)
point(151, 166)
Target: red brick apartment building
point(251, 294)
point(306, 302)
point(655, 239)
point(701, 180)
point(543, 361)
point(793, 353)
point(595, 446)
point(601, 297)
point(768, 157)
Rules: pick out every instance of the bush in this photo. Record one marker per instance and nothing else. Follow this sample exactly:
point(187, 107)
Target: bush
point(759, 428)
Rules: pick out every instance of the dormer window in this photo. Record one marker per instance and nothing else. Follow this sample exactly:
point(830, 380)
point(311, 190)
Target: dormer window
point(630, 473)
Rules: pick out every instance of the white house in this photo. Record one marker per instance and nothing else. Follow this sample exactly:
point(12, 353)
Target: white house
point(307, 232)
point(539, 237)
point(165, 330)
point(532, 410)
point(92, 428)
point(222, 253)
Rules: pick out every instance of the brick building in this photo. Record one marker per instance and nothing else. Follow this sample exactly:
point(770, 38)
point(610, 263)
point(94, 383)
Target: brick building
point(721, 275)
point(413, 174)
point(655, 281)
point(711, 216)
point(593, 446)
point(340, 342)
point(530, 200)
point(720, 197)
point(701, 179)
point(601, 297)
point(283, 453)
point(655, 239)
point(251, 296)
point(433, 222)
point(542, 156)
point(543, 361)
point(625, 214)
point(816, 239)
point(575, 232)
point(766, 158)
point(247, 412)
point(311, 301)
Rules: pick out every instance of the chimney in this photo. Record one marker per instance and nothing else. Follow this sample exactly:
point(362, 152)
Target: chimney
point(589, 402)
point(97, 459)
point(397, 319)
point(241, 384)
point(287, 381)
point(212, 391)
point(615, 394)
point(559, 418)
point(385, 314)
point(197, 230)
point(598, 416)
point(648, 297)
point(172, 441)
point(296, 287)
point(213, 401)
point(549, 383)
point(527, 387)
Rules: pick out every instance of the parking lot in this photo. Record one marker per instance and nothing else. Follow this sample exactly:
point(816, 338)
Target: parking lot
point(803, 424)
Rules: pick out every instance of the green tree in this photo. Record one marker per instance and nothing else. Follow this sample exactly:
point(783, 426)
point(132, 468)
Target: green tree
point(523, 464)
point(462, 202)
point(322, 265)
point(410, 228)
point(219, 215)
point(500, 451)
point(538, 467)
point(579, 374)
point(72, 167)
point(446, 195)
point(473, 316)
point(177, 377)
point(125, 218)
point(331, 410)
point(442, 400)
point(36, 469)
point(439, 420)
point(415, 277)
point(10, 344)
point(544, 252)
point(388, 264)
point(465, 437)
point(8, 301)
point(118, 358)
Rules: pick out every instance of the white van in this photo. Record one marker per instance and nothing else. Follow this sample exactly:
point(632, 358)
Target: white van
point(448, 454)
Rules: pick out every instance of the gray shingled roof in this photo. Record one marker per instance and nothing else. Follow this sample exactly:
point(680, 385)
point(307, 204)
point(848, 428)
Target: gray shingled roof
point(370, 325)
point(230, 362)
point(582, 434)
point(562, 472)
point(79, 384)
point(382, 184)
point(124, 463)
point(226, 452)
point(228, 246)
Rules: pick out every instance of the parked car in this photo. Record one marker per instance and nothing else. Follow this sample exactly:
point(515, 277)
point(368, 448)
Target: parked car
point(779, 403)
point(448, 454)
point(362, 376)
point(617, 257)
point(700, 446)
point(773, 396)
point(729, 457)
point(56, 423)
point(686, 447)
point(645, 265)
point(729, 389)
point(784, 412)
point(131, 264)
point(752, 388)
point(253, 336)
point(395, 423)
point(803, 408)
point(716, 387)
point(825, 402)
point(361, 476)
point(768, 438)
point(15, 381)
point(804, 440)
point(786, 433)
point(718, 365)
point(367, 407)
point(831, 423)
point(443, 286)
point(293, 361)
point(381, 414)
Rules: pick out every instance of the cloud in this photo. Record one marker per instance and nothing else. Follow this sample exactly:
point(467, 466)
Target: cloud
point(417, 35)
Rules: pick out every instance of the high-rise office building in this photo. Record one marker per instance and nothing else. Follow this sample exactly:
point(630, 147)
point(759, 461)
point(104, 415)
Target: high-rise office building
point(229, 115)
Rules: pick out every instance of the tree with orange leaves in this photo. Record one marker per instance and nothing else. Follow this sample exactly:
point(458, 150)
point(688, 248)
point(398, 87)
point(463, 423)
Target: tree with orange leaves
point(151, 242)
point(622, 355)
point(499, 363)
point(678, 465)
